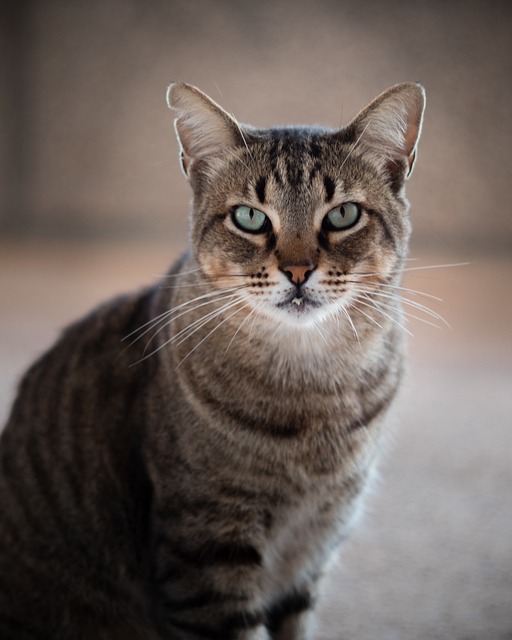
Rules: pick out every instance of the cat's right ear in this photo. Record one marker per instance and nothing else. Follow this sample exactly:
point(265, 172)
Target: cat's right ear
point(203, 128)
point(389, 128)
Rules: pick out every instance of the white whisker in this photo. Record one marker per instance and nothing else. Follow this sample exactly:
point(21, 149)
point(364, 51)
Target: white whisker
point(179, 274)
point(407, 314)
point(209, 334)
point(252, 324)
point(219, 281)
point(239, 327)
point(321, 334)
point(153, 322)
point(236, 157)
point(354, 146)
point(229, 299)
point(396, 287)
point(412, 303)
point(399, 270)
point(349, 318)
point(240, 130)
point(221, 294)
point(172, 339)
point(366, 315)
point(376, 307)
point(438, 266)
point(198, 324)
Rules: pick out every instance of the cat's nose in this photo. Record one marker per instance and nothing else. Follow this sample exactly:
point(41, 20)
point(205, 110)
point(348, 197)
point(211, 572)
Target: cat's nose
point(298, 272)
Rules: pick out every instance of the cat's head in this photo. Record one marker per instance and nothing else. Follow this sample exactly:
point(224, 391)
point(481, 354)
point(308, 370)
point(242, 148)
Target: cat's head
point(303, 220)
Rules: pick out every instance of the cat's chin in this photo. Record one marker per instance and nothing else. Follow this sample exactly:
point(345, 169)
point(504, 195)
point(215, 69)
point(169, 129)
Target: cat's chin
point(300, 312)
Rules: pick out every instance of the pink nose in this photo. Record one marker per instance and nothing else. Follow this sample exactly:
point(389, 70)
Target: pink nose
point(298, 272)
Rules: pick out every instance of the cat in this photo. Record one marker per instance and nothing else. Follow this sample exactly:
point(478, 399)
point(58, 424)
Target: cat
point(186, 460)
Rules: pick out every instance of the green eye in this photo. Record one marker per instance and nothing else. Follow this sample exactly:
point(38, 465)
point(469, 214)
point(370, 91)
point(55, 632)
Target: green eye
point(342, 217)
point(250, 219)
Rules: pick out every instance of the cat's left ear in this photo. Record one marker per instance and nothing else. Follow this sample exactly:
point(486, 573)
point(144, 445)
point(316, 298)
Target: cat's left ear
point(389, 128)
point(203, 128)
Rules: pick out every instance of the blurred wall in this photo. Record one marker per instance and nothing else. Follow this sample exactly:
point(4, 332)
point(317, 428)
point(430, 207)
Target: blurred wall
point(87, 146)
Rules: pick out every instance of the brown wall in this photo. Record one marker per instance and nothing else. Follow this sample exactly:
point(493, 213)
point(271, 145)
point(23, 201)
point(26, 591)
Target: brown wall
point(87, 146)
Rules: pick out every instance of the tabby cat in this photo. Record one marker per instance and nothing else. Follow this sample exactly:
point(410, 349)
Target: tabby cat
point(183, 463)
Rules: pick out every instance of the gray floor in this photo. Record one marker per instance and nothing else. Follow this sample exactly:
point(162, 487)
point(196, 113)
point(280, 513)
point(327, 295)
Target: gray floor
point(432, 558)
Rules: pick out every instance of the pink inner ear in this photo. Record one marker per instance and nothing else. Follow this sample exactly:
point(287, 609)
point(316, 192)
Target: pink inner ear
point(202, 127)
point(185, 160)
point(410, 139)
point(390, 125)
point(410, 161)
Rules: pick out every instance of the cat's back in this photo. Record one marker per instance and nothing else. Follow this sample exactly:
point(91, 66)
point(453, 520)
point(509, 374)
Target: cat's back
point(91, 356)
point(73, 488)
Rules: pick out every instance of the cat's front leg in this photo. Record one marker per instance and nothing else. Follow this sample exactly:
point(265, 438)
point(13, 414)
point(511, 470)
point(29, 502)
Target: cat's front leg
point(261, 633)
point(232, 627)
point(298, 626)
point(292, 617)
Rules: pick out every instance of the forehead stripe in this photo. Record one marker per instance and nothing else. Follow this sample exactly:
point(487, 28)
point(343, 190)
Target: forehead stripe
point(329, 188)
point(260, 189)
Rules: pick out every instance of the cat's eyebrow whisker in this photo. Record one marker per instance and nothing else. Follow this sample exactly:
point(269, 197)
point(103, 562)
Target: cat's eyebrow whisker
point(240, 130)
point(354, 146)
point(234, 155)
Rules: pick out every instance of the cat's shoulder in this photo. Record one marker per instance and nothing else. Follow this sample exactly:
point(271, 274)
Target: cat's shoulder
point(97, 340)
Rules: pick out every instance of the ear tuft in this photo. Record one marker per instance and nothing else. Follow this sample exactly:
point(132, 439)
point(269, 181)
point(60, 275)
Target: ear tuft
point(390, 126)
point(203, 128)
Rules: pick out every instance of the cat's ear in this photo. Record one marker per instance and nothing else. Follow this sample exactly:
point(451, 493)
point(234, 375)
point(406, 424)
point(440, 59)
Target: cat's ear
point(389, 128)
point(202, 126)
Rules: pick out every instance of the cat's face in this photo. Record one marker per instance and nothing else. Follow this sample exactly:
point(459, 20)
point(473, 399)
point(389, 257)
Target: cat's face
point(301, 221)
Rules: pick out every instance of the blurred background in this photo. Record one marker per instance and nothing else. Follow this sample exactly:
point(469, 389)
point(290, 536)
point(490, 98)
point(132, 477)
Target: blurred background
point(92, 202)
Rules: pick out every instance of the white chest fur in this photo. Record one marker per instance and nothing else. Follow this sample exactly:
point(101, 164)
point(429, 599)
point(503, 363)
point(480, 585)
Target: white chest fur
point(306, 535)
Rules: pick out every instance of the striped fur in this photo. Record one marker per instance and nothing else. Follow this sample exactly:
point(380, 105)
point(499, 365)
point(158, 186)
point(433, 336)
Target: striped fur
point(194, 481)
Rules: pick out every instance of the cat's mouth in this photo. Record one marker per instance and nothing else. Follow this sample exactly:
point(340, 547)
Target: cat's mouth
point(298, 303)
